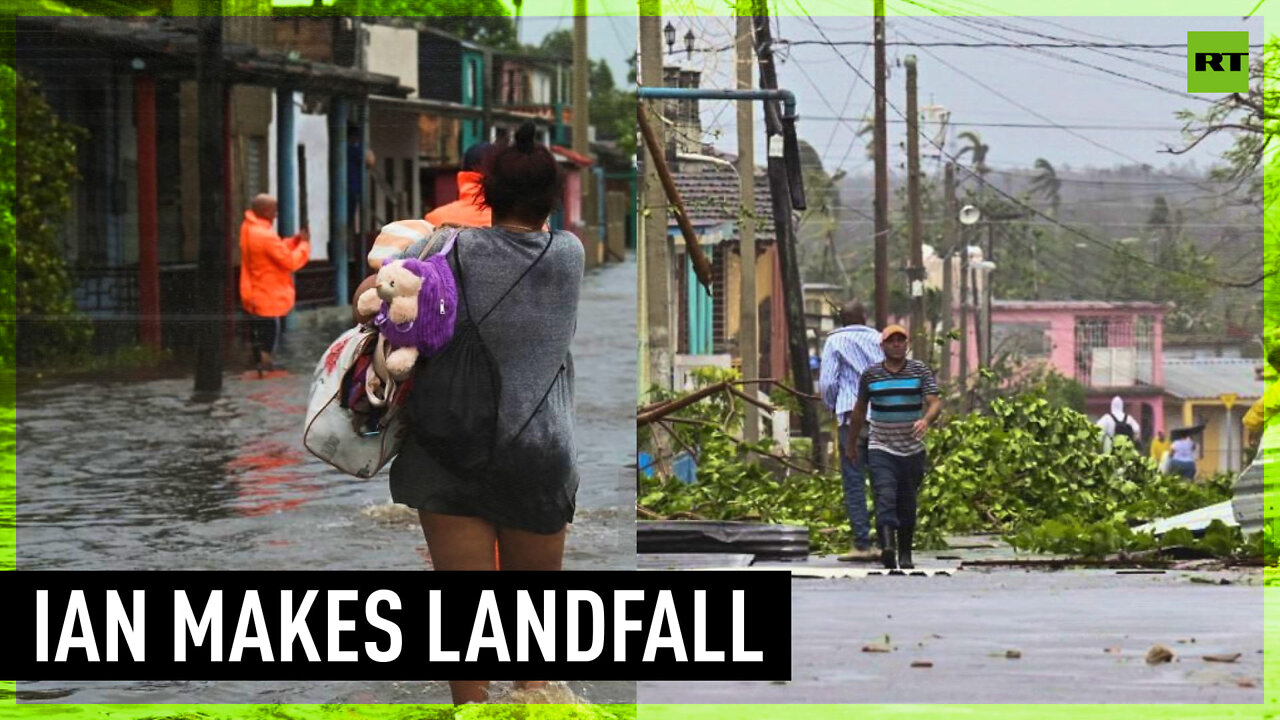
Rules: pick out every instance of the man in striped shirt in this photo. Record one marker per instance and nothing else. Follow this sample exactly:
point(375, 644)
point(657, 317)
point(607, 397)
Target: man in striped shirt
point(846, 354)
point(899, 398)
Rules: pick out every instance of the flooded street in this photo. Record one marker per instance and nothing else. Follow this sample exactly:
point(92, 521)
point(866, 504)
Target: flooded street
point(134, 475)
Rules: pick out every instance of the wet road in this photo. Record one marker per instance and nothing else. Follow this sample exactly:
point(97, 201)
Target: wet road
point(133, 475)
point(1083, 637)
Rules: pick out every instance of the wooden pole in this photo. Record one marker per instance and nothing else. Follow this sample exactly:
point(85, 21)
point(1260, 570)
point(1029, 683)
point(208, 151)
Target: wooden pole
point(882, 174)
point(916, 276)
point(701, 267)
point(748, 319)
point(211, 101)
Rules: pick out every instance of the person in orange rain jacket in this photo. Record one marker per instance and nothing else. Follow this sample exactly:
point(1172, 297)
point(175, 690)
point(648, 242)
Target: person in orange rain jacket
point(469, 209)
point(267, 264)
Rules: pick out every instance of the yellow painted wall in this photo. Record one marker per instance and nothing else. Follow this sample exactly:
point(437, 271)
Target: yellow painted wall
point(1214, 454)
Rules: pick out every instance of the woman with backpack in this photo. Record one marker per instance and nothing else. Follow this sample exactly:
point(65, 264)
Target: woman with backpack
point(490, 455)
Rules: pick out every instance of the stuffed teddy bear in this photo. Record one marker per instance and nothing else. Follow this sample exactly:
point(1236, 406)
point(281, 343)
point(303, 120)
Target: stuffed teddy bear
point(393, 303)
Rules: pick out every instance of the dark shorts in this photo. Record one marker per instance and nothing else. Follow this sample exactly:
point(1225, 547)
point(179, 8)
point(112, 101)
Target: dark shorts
point(263, 333)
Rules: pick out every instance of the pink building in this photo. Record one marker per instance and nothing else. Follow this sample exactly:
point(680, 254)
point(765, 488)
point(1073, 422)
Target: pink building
point(1112, 348)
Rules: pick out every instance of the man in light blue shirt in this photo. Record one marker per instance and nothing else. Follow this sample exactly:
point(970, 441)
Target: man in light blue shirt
point(846, 354)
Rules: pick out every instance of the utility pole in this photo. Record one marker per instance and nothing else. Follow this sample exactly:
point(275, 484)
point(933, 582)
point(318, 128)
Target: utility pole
point(948, 284)
point(916, 275)
point(882, 175)
point(990, 257)
point(654, 253)
point(779, 190)
point(964, 307)
point(748, 321)
point(582, 121)
point(211, 100)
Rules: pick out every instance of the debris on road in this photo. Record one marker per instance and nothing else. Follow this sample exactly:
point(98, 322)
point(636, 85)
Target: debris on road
point(877, 648)
point(1159, 654)
point(921, 664)
point(1222, 657)
point(1013, 654)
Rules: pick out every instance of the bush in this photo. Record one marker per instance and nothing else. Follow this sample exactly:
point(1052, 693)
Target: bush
point(45, 173)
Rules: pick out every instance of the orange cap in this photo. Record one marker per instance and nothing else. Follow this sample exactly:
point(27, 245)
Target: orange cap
point(892, 330)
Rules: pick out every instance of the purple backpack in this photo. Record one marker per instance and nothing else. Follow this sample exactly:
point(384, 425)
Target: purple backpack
point(437, 303)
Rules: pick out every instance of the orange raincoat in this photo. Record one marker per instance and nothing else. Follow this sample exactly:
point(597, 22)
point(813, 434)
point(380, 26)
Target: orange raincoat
point(266, 264)
point(467, 210)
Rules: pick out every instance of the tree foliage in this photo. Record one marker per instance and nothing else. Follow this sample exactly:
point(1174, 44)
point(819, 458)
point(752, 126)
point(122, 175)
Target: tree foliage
point(1023, 467)
point(612, 110)
point(45, 173)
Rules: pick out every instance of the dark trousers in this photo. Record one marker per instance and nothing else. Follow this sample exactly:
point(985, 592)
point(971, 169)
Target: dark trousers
point(896, 480)
point(264, 333)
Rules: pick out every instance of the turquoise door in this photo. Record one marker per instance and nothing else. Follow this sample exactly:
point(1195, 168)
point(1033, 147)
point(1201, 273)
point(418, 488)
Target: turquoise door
point(700, 310)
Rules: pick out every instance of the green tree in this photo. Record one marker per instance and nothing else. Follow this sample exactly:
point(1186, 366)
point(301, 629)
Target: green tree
point(45, 172)
point(557, 44)
point(1047, 185)
point(818, 231)
point(487, 22)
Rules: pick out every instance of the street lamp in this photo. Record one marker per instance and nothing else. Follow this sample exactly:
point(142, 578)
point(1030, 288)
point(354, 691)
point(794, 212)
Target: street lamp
point(670, 33)
point(688, 44)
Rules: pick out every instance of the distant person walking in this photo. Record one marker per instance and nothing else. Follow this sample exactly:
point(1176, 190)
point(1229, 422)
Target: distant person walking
point(1118, 423)
point(1159, 446)
point(1182, 458)
point(899, 398)
point(846, 354)
point(267, 264)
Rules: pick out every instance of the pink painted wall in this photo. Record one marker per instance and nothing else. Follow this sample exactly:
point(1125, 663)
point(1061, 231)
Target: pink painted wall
point(572, 200)
point(1061, 321)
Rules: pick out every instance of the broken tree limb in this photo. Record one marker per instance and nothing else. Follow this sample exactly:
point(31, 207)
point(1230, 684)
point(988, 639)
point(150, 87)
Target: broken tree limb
point(747, 398)
point(701, 267)
point(645, 418)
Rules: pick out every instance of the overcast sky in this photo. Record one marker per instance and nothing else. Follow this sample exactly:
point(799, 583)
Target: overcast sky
point(1072, 87)
point(608, 38)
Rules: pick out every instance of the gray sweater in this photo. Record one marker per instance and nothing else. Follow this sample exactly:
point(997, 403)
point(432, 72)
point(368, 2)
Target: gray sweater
point(528, 335)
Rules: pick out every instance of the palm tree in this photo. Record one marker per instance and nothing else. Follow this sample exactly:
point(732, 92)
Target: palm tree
point(1046, 184)
point(978, 149)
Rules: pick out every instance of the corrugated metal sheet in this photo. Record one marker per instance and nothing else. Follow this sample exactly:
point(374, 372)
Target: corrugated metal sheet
point(1211, 377)
point(1249, 498)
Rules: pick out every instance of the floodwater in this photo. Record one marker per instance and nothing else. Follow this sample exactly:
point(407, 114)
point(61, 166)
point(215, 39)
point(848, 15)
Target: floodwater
point(135, 476)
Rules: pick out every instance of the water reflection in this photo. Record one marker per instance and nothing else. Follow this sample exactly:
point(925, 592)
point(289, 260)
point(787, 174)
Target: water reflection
point(134, 475)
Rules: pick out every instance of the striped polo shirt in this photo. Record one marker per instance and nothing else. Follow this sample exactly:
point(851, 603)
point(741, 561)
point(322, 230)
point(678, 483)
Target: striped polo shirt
point(895, 401)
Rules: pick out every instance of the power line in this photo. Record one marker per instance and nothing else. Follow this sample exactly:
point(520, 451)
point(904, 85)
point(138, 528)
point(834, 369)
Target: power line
point(1099, 68)
point(1017, 104)
point(1116, 250)
point(952, 121)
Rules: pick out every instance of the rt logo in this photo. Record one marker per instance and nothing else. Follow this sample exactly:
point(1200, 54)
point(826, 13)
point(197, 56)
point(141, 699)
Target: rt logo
point(1217, 62)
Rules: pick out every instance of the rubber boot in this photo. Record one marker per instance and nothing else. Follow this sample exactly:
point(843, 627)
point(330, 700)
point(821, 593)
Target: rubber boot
point(888, 546)
point(906, 534)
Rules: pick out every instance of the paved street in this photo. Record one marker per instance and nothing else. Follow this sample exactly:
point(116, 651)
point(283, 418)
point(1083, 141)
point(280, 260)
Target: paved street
point(1083, 636)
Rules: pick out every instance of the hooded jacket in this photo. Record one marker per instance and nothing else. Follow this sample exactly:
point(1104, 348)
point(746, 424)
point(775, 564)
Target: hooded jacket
point(469, 209)
point(266, 264)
